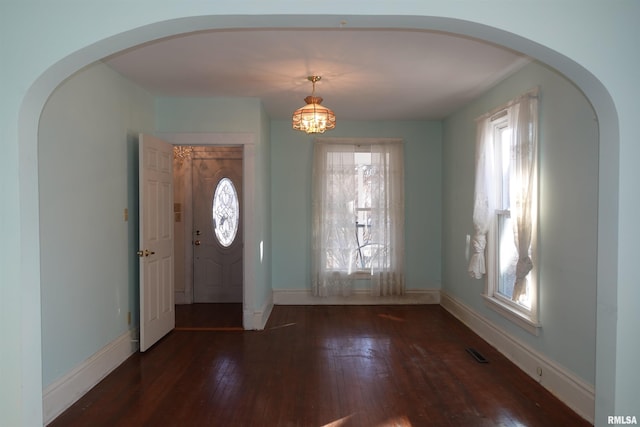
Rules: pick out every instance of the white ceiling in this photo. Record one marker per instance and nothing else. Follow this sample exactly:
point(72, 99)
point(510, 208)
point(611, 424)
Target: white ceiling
point(366, 74)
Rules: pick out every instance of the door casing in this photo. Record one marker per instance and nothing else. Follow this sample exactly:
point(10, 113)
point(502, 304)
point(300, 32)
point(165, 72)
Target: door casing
point(251, 241)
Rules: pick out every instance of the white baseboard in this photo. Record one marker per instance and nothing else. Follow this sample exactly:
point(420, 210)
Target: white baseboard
point(257, 320)
point(63, 393)
point(573, 391)
point(359, 297)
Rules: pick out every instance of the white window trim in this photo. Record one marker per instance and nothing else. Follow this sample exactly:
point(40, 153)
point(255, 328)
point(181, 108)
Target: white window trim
point(525, 318)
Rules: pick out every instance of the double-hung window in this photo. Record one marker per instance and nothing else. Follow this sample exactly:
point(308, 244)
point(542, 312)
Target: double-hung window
point(505, 210)
point(358, 215)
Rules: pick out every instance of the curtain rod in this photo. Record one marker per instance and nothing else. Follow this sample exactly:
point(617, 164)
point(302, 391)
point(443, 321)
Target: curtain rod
point(496, 113)
point(357, 141)
point(499, 115)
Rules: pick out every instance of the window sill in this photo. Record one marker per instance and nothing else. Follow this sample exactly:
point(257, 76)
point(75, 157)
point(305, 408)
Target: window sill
point(361, 275)
point(515, 316)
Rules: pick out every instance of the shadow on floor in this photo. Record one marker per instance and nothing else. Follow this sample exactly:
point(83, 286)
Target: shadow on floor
point(214, 316)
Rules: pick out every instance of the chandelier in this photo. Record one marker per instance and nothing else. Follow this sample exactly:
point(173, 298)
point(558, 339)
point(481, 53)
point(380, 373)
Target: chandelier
point(313, 117)
point(182, 152)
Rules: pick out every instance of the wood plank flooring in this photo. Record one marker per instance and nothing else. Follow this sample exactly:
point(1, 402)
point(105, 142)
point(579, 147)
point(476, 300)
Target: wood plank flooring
point(216, 317)
point(322, 366)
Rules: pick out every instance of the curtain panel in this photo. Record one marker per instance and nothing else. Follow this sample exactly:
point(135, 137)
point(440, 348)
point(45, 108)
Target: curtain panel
point(523, 120)
point(358, 215)
point(484, 202)
point(523, 184)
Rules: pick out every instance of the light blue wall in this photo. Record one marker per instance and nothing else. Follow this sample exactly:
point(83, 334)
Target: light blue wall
point(567, 223)
point(232, 115)
point(88, 149)
point(88, 142)
point(291, 162)
point(175, 114)
point(593, 42)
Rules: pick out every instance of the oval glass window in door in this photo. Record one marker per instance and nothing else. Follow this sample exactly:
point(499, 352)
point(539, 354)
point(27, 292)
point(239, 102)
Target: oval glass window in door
point(225, 212)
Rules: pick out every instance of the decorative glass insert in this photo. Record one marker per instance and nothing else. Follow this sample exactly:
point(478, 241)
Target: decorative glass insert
point(225, 212)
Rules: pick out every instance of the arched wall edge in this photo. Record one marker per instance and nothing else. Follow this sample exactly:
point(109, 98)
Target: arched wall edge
point(39, 92)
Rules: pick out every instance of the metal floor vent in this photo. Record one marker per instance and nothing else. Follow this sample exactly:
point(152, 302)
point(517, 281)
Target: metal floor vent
point(476, 355)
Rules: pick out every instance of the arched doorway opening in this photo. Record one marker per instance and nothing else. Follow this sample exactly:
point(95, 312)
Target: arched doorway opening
point(595, 91)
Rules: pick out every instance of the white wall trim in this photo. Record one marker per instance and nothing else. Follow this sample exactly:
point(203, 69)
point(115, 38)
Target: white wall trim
point(573, 391)
point(358, 297)
point(257, 320)
point(179, 297)
point(67, 390)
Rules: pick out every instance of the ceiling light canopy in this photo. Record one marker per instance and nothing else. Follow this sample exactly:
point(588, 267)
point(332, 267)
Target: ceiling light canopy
point(313, 117)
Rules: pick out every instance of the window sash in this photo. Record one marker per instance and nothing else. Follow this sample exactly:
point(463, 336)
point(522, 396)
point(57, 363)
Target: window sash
point(500, 125)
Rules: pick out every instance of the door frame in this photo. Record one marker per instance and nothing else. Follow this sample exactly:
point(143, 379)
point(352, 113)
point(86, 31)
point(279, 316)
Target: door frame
point(247, 141)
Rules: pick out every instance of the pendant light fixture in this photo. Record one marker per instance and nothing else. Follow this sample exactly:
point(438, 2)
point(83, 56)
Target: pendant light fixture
point(313, 117)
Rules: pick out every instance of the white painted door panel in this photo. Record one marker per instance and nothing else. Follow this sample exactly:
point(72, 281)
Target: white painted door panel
point(157, 315)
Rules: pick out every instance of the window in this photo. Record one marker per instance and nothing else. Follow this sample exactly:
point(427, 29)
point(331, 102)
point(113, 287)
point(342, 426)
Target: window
point(367, 249)
point(503, 233)
point(225, 212)
point(358, 215)
point(357, 237)
point(505, 210)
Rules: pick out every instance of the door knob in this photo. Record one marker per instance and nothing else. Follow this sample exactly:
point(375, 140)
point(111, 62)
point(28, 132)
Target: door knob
point(146, 252)
point(197, 243)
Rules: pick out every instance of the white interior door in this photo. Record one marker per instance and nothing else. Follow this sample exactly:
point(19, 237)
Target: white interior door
point(217, 224)
point(157, 315)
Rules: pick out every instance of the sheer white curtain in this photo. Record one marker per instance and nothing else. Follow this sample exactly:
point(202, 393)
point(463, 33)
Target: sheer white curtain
point(523, 183)
point(387, 216)
point(523, 121)
point(333, 242)
point(338, 194)
point(484, 196)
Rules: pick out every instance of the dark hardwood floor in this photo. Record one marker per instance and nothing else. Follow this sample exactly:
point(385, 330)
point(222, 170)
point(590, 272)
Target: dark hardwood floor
point(226, 316)
point(322, 366)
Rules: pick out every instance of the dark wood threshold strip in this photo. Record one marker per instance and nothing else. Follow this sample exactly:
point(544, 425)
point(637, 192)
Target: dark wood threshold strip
point(213, 328)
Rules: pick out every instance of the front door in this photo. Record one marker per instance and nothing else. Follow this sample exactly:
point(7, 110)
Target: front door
point(217, 225)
